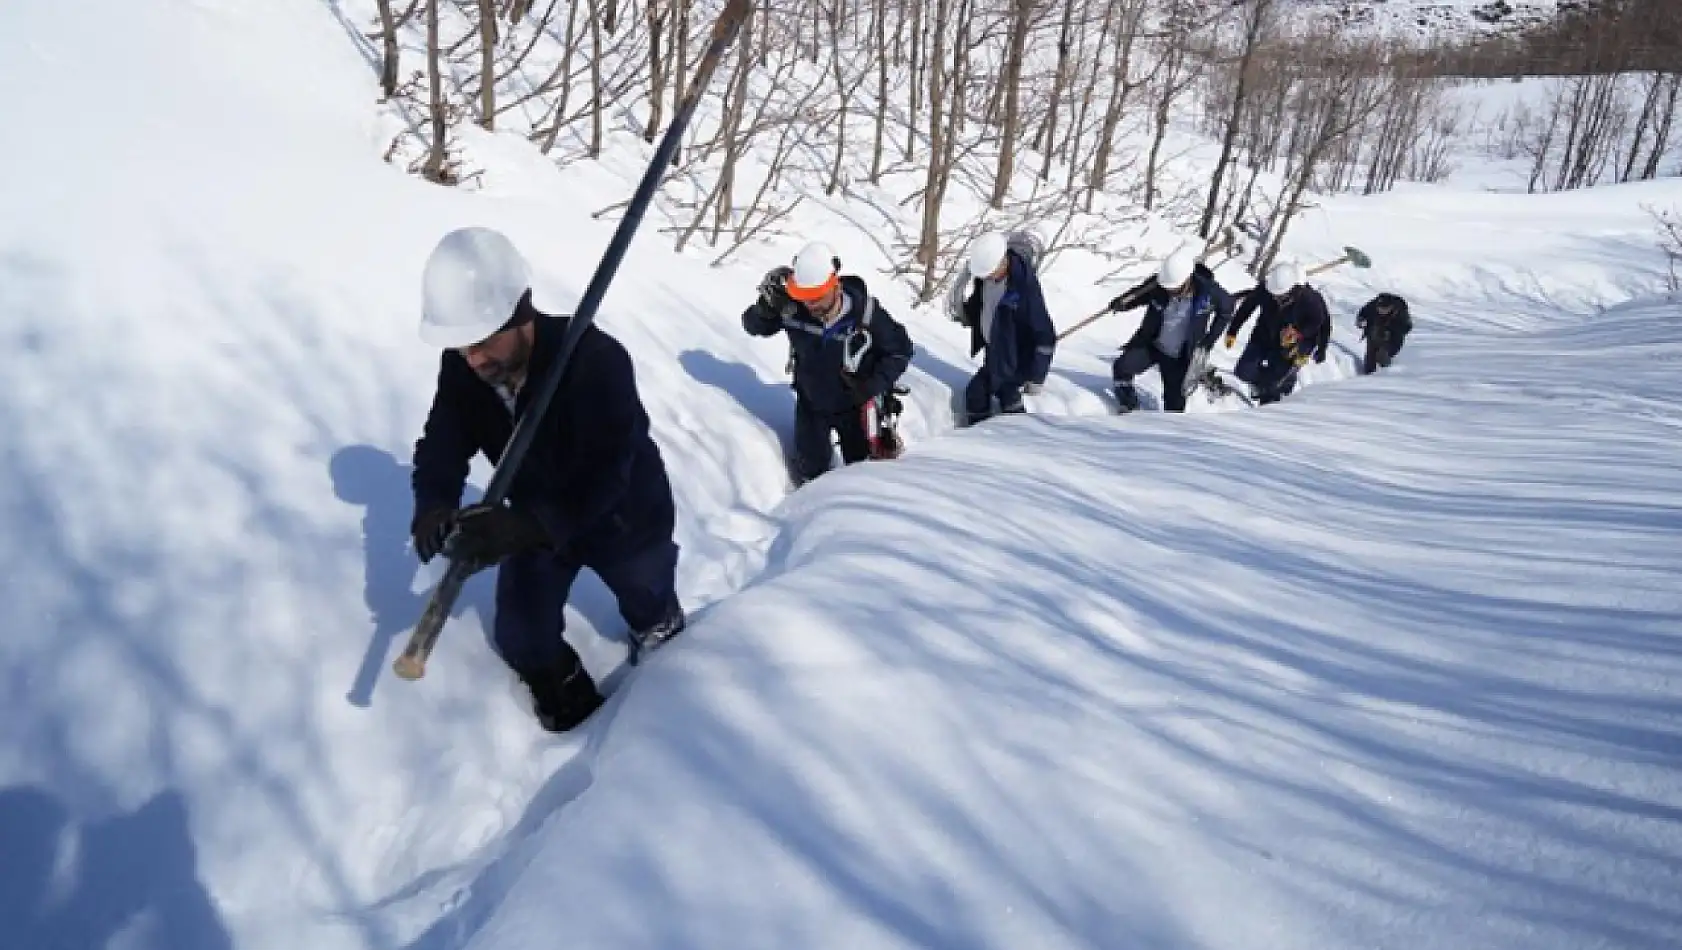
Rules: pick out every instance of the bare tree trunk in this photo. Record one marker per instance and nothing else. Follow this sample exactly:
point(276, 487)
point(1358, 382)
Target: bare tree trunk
point(1012, 80)
point(733, 140)
point(1077, 130)
point(1127, 33)
point(596, 104)
point(680, 46)
point(876, 149)
point(928, 244)
point(487, 64)
point(1175, 77)
point(656, 14)
point(1046, 138)
point(1645, 118)
point(843, 93)
point(433, 168)
point(564, 71)
point(1661, 135)
point(389, 52)
point(1254, 26)
point(918, 68)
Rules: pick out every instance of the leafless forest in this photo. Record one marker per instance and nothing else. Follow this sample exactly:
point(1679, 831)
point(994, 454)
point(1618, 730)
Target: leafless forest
point(1041, 110)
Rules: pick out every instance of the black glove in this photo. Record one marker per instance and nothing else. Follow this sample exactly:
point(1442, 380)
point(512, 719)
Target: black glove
point(773, 290)
point(858, 388)
point(1118, 303)
point(429, 529)
point(1319, 356)
point(486, 534)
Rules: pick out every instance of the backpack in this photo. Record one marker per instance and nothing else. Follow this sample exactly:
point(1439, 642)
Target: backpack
point(1027, 246)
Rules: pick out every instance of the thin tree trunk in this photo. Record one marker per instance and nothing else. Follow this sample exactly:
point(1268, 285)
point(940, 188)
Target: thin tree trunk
point(564, 71)
point(877, 148)
point(596, 26)
point(487, 64)
point(928, 244)
point(656, 15)
point(433, 168)
point(1661, 135)
point(1046, 138)
point(1253, 28)
point(389, 51)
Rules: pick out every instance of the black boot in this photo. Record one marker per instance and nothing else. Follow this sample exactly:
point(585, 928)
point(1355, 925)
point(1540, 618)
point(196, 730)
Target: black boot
point(1127, 399)
point(564, 696)
point(642, 641)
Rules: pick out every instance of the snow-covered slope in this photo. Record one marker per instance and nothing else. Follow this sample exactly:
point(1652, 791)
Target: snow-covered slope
point(1392, 663)
point(1391, 666)
point(1431, 19)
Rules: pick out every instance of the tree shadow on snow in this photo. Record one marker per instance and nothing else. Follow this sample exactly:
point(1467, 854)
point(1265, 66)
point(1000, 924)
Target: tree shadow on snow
point(376, 480)
point(771, 403)
point(955, 378)
point(130, 879)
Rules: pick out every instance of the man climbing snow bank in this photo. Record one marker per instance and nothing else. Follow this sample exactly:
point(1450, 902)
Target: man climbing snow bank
point(1384, 324)
point(592, 490)
point(1293, 327)
point(1006, 315)
point(1186, 309)
point(848, 352)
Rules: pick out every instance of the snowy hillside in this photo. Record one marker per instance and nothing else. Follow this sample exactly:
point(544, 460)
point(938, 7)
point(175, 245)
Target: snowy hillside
point(1391, 664)
point(1431, 19)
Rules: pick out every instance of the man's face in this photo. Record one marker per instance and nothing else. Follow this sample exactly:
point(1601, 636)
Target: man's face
point(827, 307)
point(501, 358)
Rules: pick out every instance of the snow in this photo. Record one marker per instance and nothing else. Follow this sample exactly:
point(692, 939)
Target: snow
point(1430, 19)
point(1393, 663)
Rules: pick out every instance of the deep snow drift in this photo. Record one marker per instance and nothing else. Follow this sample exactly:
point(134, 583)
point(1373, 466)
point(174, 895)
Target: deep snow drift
point(1390, 664)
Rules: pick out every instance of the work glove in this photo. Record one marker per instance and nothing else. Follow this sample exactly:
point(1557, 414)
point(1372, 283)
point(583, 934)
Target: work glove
point(773, 290)
point(1299, 360)
point(1231, 340)
point(1032, 389)
point(486, 534)
point(1320, 356)
point(429, 529)
point(1118, 303)
point(858, 388)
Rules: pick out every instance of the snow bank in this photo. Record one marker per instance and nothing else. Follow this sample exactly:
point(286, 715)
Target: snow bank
point(1298, 675)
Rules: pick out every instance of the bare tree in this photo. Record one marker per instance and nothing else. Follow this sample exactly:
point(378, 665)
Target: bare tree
point(1333, 99)
point(1129, 15)
point(388, 50)
point(1256, 18)
point(1022, 13)
point(487, 64)
point(1670, 241)
point(1046, 138)
point(433, 168)
point(1173, 74)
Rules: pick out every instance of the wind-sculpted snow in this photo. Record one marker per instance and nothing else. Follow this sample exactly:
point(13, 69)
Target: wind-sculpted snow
point(1391, 663)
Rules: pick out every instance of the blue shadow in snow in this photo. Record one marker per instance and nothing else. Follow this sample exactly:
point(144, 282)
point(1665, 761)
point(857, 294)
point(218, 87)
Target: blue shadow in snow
point(134, 881)
point(376, 480)
point(771, 403)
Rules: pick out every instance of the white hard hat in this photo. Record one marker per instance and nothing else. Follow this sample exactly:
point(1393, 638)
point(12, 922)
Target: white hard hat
point(1176, 269)
point(473, 280)
point(814, 272)
point(986, 253)
point(1284, 276)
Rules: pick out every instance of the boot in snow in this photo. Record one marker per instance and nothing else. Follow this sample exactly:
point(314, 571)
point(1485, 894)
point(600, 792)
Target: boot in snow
point(564, 696)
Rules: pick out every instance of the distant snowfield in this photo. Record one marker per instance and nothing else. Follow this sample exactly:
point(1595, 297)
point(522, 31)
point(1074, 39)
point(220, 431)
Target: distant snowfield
point(1431, 19)
point(1390, 664)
